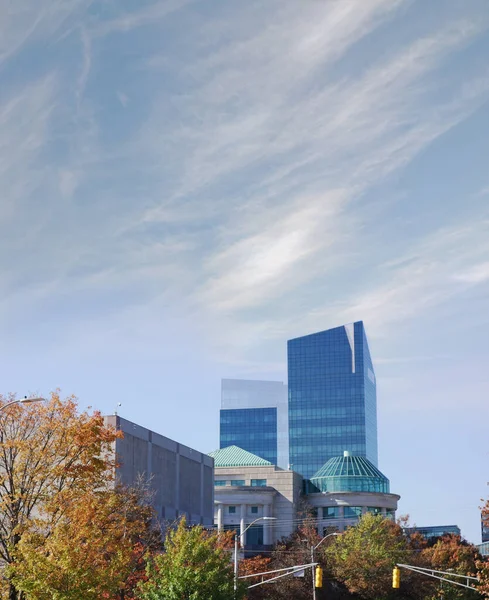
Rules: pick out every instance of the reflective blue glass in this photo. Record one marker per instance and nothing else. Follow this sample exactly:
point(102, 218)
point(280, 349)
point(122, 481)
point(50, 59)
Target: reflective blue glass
point(332, 398)
point(237, 482)
point(252, 429)
point(258, 482)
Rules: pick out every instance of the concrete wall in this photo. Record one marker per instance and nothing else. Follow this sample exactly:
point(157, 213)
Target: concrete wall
point(182, 478)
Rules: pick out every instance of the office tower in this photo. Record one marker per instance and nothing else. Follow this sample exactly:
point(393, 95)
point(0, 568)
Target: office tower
point(332, 398)
point(254, 417)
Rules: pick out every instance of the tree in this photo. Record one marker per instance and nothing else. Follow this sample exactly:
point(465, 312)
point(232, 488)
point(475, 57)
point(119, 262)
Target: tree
point(92, 551)
point(451, 553)
point(295, 550)
point(250, 566)
point(49, 455)
point(194, 566)
point(363, 557)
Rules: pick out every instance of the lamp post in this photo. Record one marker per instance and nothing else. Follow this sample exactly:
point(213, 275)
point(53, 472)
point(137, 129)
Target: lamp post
point(236, 546)
point(313, 548)
point(22, 401)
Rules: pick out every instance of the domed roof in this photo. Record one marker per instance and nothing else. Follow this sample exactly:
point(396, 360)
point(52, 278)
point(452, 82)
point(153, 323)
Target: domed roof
point(350, 474)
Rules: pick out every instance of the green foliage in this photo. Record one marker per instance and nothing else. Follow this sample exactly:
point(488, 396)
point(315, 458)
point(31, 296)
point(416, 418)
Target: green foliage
point(363, 557)
point(195, 566)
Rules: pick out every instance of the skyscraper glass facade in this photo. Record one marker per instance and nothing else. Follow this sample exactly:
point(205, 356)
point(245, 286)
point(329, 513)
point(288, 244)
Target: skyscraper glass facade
point(254, 417)
point(332, 398)
point(252, 429)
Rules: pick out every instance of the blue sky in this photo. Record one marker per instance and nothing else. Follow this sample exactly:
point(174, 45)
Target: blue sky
point(186, 185)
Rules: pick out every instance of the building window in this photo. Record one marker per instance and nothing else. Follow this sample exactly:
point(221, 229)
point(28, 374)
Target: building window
point(374, 510)
point(331, 512)
point(258, 482)
point(237, 481)
point(232, 510)
point(352, 512)
point(254, 510)
point(254, 536)
point(219, 483)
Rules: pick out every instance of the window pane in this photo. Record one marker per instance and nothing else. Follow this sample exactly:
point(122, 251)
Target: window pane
point(237, 482)
point(232, 510)
point(259, 482)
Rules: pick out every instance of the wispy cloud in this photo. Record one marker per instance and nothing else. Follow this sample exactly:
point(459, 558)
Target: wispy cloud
point(235, 177)
point(141, 16)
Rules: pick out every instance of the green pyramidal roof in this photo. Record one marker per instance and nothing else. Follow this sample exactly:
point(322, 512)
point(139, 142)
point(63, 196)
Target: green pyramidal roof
point(350, 473)
point(233, 456)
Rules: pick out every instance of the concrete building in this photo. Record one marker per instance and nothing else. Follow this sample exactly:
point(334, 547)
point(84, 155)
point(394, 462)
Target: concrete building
point(248, 487)
point(254, 417)
point(182, 478)
point(347, 487)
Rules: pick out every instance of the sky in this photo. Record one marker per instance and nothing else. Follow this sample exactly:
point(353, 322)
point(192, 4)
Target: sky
point(186, 185)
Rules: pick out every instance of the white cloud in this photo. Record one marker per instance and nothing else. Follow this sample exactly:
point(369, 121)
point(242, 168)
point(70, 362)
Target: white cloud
point(474, 274)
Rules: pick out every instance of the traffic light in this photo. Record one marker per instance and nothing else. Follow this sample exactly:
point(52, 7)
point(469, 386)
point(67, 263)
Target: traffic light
point(319, 577)
point(396, 578)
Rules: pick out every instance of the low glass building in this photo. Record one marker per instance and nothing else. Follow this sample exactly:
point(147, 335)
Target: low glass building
point(432, 532)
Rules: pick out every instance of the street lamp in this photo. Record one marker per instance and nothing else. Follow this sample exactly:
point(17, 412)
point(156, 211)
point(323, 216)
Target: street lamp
point(312, 560)
point(25, 400)
point(236, 546)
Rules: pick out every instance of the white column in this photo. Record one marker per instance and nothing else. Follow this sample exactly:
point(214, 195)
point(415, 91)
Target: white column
point(384, 512)
point(219, 517)
point(242, 534)
point(266, 526)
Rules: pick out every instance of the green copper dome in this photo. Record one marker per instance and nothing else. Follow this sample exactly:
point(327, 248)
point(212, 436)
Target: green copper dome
point(350, 474)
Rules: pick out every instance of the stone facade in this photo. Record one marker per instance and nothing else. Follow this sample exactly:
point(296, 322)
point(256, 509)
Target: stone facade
point(241, 504)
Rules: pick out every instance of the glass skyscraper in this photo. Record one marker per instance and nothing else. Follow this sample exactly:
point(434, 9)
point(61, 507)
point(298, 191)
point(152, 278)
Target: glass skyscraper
point(332, 398)
point(254, 417)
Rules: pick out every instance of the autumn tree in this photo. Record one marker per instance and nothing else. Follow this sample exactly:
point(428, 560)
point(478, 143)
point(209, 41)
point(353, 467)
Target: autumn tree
point(194, 566)
point(93, 549)
point(49, 454)
point(251, 566)
point(294, 550)
point(451, 553)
